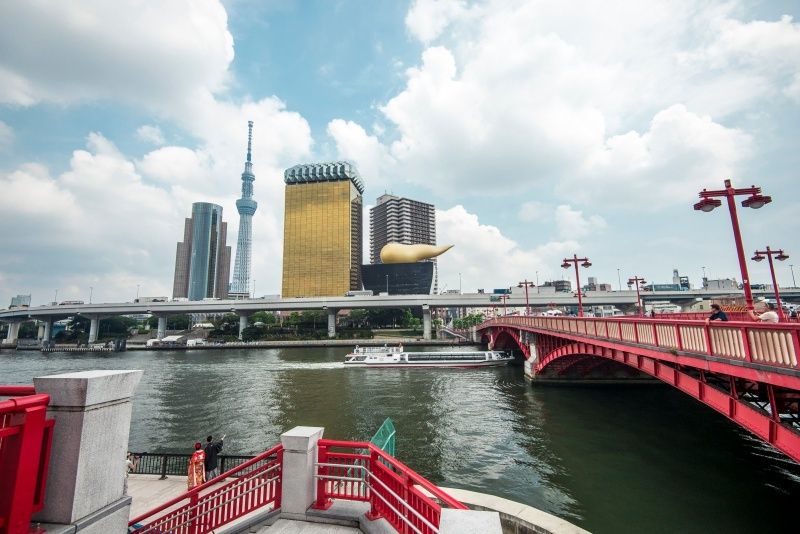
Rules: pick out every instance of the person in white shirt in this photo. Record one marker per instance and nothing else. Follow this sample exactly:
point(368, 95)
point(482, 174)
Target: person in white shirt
point(769, 315)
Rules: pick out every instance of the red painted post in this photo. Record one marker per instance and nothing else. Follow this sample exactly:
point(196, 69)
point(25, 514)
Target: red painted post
point(193, 526)
point(707, 335)
point(323, 501)
point(279, 485)
point(373, 513)
point(748, 352)
point(737, 236)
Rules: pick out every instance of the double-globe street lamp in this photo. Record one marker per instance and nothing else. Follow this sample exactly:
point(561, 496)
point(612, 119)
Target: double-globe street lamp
point(526, 285)
point(504, 298)
point(780, 256)
point(637, 280)
point(709, 201)
point(584, 263)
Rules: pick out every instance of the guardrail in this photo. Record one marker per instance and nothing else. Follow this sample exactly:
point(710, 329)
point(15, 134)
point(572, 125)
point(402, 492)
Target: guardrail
point(775, 344)
point(26, 436)
point(256, 483)
point(410, 503)
point(165, 464)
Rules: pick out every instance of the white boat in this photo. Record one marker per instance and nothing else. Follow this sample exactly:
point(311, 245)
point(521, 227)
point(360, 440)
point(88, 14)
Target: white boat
point(396, 357)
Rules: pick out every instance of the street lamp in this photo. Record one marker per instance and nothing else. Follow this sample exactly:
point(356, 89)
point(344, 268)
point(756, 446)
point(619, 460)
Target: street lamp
point(794, 284)
point(526, 285)
point(575, 260)
point(637, 280)
point(137, 293)
point(708, 202)
point(91, 290)
point(780, 256)
point(537, 281)
point(504, 298)
point(619, 281)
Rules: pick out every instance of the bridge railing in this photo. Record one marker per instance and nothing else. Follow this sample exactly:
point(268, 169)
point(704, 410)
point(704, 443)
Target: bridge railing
point(166, 464)
point(409, 502)
point(764, 343)
point(25, 439)
point(253, 484)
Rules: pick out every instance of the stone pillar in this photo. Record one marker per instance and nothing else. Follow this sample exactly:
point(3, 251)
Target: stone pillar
point(94, 326)
point(40, 331)
point(48, 330)
point(332, 323)
point(242, 324)
point(299, 456)
point(92, 412)
point(426, 321)
point(161, 333)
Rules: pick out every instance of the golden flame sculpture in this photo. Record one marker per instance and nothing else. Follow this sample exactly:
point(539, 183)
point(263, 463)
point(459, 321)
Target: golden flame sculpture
point(399, 253)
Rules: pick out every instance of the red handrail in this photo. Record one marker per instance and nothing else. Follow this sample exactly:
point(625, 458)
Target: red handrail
point(203, 510)
point(25, 441)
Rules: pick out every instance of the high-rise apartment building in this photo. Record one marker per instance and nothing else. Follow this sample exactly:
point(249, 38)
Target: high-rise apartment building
point(246, 207)
point(400, 220)
point(322, 230)
point(202, 261)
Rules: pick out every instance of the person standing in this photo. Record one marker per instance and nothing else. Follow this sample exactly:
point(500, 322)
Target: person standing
point(212, 451)
point(717, 314)
point(769, 316)
point(197, 471)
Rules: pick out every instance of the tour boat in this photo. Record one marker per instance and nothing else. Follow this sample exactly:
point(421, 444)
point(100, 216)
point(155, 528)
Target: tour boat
point(396, 357)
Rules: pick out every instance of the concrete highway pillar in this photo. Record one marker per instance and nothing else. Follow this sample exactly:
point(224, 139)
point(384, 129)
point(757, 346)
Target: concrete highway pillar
point(426, 322)
point(92, 413)
point(48, 330)
point(161, 333)
point(332, 323)
point(242, 324)
point(299, 457)
point(40, 332)
point(94, 326)
point(13, 332)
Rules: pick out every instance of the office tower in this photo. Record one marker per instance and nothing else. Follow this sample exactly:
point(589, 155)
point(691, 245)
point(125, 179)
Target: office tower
point(246, 207)
point(202, 261)
point(400, 220)
point(322, 230)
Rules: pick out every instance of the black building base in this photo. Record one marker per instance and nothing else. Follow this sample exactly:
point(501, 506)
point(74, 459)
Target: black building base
point(398, 278)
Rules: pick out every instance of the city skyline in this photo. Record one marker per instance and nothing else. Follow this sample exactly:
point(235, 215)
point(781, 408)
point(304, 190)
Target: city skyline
point(537, 132)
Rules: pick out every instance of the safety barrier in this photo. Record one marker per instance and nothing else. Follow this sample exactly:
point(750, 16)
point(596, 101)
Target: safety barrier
point(407, 501)
point(776, 344)
point(25, 439)
point(165, 464)
point(255, 484)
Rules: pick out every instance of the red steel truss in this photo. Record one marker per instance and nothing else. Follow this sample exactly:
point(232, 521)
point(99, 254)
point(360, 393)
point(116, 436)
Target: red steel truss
point(747, 371)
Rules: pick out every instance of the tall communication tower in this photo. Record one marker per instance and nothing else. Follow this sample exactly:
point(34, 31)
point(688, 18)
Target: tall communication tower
point(246, 207)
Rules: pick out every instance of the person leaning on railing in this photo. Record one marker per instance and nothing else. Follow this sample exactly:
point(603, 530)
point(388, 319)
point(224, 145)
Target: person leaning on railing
point(717, 314)
point(769, 315)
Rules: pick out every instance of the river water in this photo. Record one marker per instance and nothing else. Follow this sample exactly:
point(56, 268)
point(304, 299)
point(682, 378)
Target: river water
point(608, 458)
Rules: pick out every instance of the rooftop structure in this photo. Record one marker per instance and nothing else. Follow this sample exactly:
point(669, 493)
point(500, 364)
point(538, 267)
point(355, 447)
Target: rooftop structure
point(324, 172)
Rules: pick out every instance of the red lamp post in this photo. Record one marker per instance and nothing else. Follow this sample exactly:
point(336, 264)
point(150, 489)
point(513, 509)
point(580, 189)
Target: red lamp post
point(636, 280)
point(756, 200)
point(504, 298)
point(584, 263)
point(526, 285)
point(780, 256)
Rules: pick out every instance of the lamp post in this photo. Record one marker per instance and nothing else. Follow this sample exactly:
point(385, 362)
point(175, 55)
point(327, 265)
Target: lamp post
point(637, 280)
point(55, 298)
point(91, 290)
point(504, 298)
point(756, 200)
point(537, 282)
point(794, 284)
point(526, 285)
point(137, 293)
point(780, 256)
point(459, 283)
point(584, 263)
point(619, 281)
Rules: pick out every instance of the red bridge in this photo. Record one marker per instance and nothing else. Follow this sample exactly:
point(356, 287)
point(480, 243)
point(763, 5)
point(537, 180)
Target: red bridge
point(747, 371)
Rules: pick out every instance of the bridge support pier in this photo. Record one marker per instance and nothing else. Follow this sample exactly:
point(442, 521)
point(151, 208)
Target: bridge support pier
point(332, 323)
point(94, 326)
point(242, 324)
point(13, 332)
point(48, 330)
point(426, 322)
point(161, 333)
point(40, 331)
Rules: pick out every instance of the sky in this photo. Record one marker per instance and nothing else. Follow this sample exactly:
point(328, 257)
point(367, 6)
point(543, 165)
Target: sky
point(538, 129)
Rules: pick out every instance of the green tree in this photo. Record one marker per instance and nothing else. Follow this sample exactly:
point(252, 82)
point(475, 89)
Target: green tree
point(268, 318)
point(174, 322)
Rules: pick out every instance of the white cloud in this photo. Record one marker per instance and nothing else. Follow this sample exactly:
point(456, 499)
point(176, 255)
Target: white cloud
point(483, 255)
point(6, 135)
point(533, 210)
point(116, 50)
point(426, 19)
point(571, 224)
point(150, 134)
point(370, 156)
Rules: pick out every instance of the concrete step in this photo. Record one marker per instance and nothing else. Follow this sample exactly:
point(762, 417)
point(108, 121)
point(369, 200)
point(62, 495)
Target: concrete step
point(286, 526)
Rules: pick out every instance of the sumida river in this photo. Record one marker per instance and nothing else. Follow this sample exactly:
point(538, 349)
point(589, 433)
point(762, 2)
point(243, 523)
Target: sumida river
point(638, 459)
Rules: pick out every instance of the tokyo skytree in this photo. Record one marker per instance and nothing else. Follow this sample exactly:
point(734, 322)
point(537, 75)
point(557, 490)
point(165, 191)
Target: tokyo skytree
point(246, 207)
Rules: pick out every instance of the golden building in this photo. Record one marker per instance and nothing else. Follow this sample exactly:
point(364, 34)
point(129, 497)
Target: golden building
point(322, 230)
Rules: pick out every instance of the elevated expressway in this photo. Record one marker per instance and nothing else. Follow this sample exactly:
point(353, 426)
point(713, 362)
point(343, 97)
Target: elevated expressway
point(747, 371)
